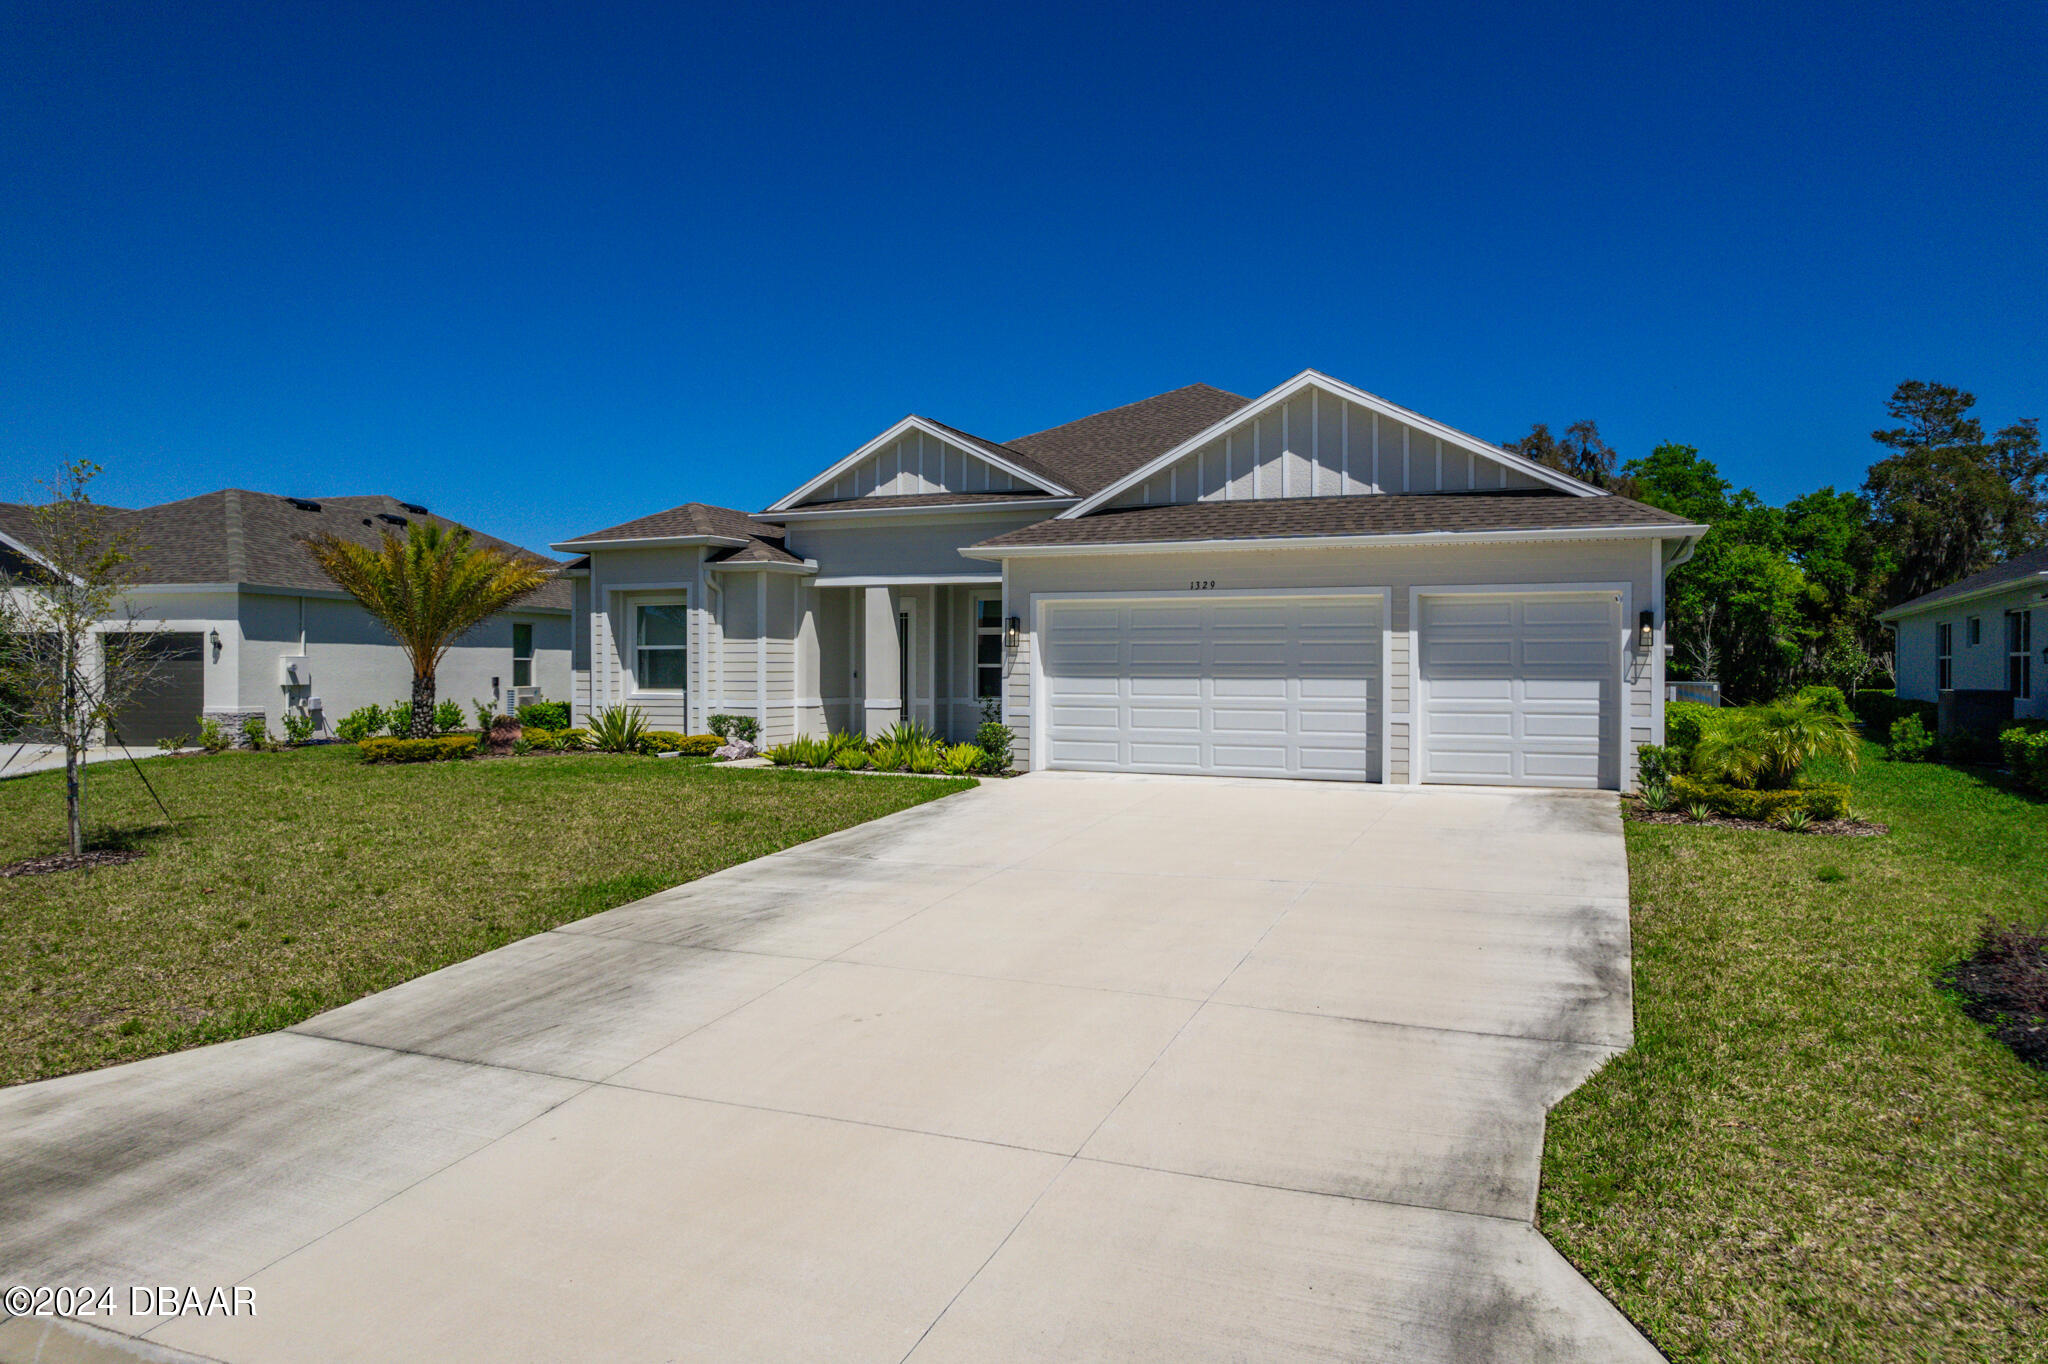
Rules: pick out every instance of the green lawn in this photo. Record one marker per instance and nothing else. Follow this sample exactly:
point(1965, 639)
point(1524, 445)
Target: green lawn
point(1811, 1153)
point(294, 882)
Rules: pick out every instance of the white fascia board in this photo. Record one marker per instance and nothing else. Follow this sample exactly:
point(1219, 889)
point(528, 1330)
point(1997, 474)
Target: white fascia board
point(25, 552)
point(910, 579)
point(2022, 585)
point(914, 423)
point(765, 566)
point(827, 513)
point(1269, 543)
point(1336, 388)
point(648, 542)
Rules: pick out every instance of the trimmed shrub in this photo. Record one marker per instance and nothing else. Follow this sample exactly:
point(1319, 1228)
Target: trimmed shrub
point(360, 723)
point(1684, 722)
point(1909, 741)
point(298, 728)
point(745, 727)
point(398, 719)
point(1822, 800)
point(256, 733)
point(447, 716)
point(213, 736)
point(545, 715)
point(1829, 699)
point(664, 741)
point(572, 739)
point(995, 739)
point(697, 745)
point(1654, 764)
point(1878, 710)
point(442, 749)
point(537, 739)
point(2024, 747)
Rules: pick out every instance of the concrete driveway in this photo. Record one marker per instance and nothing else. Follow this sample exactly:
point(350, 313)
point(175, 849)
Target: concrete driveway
point(1061, 1068)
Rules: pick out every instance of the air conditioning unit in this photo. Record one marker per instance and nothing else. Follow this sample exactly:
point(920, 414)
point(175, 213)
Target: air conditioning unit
point(295, 670)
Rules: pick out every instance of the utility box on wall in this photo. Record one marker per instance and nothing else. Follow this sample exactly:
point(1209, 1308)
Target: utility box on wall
point(294, 670)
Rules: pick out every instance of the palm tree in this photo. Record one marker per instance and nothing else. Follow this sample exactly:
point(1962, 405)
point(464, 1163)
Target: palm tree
point(428, 590)
point(1766, 746)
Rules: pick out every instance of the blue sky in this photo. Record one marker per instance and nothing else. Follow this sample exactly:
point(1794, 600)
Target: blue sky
point(547, 268)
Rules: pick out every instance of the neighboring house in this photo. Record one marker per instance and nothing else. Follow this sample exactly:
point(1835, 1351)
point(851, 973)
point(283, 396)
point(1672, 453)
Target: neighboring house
point(247, 624)
point(1313, 583)
point(1988, 632)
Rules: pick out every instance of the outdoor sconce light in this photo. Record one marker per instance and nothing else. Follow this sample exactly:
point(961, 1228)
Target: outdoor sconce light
point(1646, 630)
point(213, 638)
point(1013, 630)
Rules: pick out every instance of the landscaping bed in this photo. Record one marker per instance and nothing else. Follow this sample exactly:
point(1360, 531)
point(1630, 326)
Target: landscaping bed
point(1638, 813)
point(293, 882)
point(1814, 1151)
point(2004, 986)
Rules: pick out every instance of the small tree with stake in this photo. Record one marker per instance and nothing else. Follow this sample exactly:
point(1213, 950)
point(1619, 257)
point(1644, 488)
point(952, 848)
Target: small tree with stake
point(428, 590)
point(71, 595)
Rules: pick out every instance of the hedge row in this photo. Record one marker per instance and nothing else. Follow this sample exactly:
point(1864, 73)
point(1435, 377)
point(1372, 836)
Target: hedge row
point(442, 749)
point(1876, 710)
point(2024, 746)
point(1822, 800)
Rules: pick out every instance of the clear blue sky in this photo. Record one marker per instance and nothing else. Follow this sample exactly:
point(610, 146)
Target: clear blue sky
point(546, 268)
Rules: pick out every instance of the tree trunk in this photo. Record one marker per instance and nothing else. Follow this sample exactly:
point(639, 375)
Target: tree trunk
point(423, 706)
point(74, 771)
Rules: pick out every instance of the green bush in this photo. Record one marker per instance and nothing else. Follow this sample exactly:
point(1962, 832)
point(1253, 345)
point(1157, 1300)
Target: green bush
point(544, 715)
point(1684, 722)
point(662, 741)
point(213, 736)
point(256, 732)
point(994, 738)
point(1768, 746)
point(801, 751)
point(1879, 710)
point(448, 717)
point(2024, 747)
point(618, 729)
point(697, 745)
point(1829, 699)
point(360, 723)
point(962, 760)
point(1654, 763)
point(485, 712)
point(1909, 741)
point(444, 748)
point(539, 739)
point(298, 728)
point(398, 719)
point(852, 760)
point(745, 727)
point(1822, 800)
point(572, 739)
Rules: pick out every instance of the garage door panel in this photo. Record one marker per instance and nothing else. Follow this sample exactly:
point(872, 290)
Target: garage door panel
point(1250, 687)
point(1520, 689)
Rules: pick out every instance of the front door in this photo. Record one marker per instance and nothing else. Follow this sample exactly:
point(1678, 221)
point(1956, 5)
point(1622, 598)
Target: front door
point(904, 653)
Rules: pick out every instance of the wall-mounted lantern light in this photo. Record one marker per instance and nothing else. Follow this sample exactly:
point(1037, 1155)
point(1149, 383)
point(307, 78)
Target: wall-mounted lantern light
point(1646, 629)
point(213, 638)
point(1013, 631)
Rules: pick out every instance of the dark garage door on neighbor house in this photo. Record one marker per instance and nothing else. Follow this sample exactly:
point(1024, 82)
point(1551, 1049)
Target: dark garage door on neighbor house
point(175, 695)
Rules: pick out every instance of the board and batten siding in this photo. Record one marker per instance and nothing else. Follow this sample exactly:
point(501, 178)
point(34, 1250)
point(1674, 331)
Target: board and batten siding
point(917, 462)
point(619, 580)
point(1398, 568)
point(1317, 444)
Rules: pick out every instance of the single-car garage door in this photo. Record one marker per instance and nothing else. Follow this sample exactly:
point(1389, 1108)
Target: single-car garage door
point(168, 705)
point(1282, 686)
point(1521, 689)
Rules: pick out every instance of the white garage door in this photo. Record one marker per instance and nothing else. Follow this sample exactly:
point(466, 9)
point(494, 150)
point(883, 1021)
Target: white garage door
point(1230, 686)
point(1521, 690)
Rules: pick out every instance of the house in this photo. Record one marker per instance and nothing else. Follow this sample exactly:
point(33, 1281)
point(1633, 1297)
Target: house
point(1312, 583)
point(1979, 634)
point(247, 624)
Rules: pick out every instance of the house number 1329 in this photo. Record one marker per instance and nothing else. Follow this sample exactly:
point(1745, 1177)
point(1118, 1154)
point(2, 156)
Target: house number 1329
point(1201, 584)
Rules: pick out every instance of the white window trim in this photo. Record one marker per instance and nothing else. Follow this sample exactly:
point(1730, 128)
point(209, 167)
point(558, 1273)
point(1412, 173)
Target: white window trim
point(631, 659)
point(977, 630)
point(1944, 655)
point(2019, 643)
point(532, 650)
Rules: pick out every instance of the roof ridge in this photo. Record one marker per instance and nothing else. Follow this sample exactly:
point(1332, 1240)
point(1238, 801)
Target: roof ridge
point(231, 519)
point(1107, 411)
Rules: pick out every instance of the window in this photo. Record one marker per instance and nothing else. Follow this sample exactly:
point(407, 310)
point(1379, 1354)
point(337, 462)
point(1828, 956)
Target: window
point(2019, 650)
point(522, 654)
point(1944, 655)
point(661, 646)
point(988, 647)
point(1973, 631)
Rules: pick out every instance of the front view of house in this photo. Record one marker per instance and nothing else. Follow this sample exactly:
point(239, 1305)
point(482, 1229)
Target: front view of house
point(1315, 583)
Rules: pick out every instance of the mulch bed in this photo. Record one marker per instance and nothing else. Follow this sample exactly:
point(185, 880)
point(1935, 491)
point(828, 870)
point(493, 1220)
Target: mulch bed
point(1837, 828)
point(36, 866)
point(2004, 986)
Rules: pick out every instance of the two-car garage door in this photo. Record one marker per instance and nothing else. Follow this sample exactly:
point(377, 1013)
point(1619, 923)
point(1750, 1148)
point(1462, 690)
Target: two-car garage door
point(1511, 689)
point(1283, 686)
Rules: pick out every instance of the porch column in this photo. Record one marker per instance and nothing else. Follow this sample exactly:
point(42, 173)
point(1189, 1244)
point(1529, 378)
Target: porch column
point(880, 663)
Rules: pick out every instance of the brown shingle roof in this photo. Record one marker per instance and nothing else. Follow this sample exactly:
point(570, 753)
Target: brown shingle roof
point(757, 551)
point(1009, 454)
point(238, 536)
point(2018, 569)
point(1093, 452)
point(1383, 514)
point(692, 518)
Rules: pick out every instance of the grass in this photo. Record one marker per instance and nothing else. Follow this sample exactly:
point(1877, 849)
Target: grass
point(291, 883)
point(1811, 1153)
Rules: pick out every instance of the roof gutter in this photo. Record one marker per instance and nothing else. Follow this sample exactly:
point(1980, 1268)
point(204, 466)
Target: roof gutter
point(808, 566)
point(1916, 606)
point(1435, 537)
point(648, 542)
